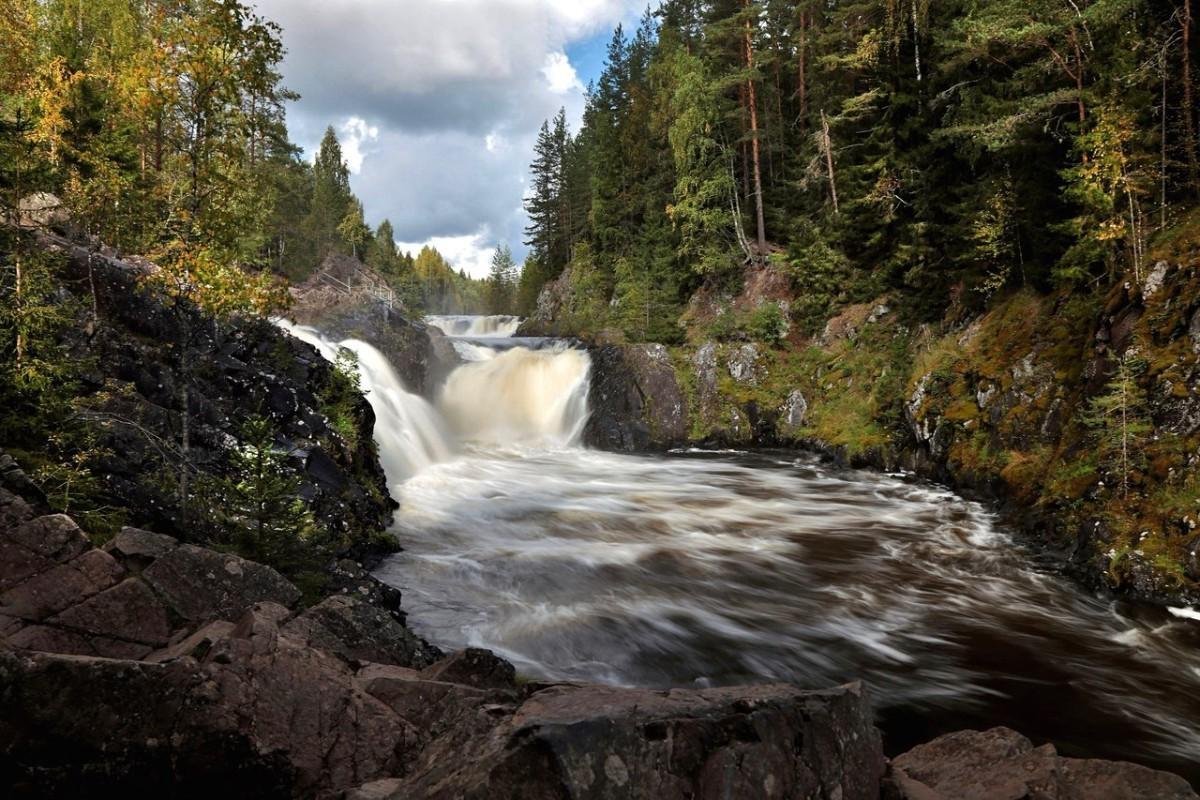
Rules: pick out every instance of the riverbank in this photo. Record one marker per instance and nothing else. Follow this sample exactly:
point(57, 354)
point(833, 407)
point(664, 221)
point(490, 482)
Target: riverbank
point(1079, 416)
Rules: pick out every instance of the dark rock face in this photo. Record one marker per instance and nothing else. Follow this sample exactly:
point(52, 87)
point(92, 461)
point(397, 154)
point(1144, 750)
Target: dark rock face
point(1001, 764)
point(359, 632)
point(474, 667)
point(154, 668)
point(145, 350)
point(603, 742)
point(635, 399)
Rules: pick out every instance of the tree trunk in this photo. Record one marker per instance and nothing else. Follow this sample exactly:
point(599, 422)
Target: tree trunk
point(185, 448)
point(1189, 108)
point(827, 146)
point(752, 100)
point(20, 298)
point(802, 71)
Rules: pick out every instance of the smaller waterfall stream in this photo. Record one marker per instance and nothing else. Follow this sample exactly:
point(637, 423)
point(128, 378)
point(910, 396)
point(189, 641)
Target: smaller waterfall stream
point(504, 395)
point(496, 325)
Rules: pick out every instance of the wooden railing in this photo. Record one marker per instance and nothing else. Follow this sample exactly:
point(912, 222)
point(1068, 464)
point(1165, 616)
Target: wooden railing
point(366, 285)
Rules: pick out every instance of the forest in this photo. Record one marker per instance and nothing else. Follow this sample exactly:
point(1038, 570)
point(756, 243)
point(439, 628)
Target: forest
point(161, 128)
point(949, 152)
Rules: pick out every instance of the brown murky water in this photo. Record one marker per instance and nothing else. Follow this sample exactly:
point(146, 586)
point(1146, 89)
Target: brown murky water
point(705, 569)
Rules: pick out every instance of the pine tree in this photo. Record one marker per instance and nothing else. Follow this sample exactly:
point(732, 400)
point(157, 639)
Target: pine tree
point(332, 200)
point(1119, 420)
point(259, 502)
point(501, 286)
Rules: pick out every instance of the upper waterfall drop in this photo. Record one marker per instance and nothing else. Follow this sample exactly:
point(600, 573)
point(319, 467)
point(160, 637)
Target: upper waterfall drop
point(520, 397)
point(495, 326)
point(507, 393)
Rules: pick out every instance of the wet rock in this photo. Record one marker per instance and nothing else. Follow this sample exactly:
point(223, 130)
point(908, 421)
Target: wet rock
point(473, 667)
point(1000, 764)
point(742, 364)
point(201, 585)
point(348, 577)
point(357, 631)
point(604, 742)
point(635, 399)
point(793, 414)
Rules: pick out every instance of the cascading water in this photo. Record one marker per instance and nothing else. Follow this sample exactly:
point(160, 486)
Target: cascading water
point(510, 396)
point(706, 568)
point(479, 327)
point(410, 433)
point(520, 397)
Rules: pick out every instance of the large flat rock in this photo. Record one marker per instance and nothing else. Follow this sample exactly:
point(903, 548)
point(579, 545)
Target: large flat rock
point(1001, 764)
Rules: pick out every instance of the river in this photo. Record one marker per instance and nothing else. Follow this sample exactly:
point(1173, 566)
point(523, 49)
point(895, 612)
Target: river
point(711, 568)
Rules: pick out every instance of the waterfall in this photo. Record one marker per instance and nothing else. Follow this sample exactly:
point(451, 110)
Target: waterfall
point(478, 327)
point(410, 433)
point(520, 396)
point(515, 396)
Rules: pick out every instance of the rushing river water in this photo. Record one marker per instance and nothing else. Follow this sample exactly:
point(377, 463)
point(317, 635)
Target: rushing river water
point(701, 569)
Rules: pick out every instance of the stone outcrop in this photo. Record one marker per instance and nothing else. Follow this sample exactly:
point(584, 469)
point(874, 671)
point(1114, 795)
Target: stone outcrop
point(140, 351)
point(420, 354)
point(1001, 764)
point(635, 400)
point(603, 742)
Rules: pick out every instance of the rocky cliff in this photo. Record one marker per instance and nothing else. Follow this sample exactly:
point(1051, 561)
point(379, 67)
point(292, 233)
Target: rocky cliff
point(420, 354)
point(157, 404)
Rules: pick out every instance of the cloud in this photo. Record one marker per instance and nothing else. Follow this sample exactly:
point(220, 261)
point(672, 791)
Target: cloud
point(560, 75)
point(355, 132)
point(472, 252)
point(437, 102)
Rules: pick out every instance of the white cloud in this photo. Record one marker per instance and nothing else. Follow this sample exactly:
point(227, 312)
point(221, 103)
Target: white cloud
point(438, 103)
point(355, 132)
point(560, 76)
point(494, 143)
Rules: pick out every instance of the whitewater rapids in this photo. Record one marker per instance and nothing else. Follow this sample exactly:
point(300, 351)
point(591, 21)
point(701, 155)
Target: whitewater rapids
point(473, 326)
point(713, 568)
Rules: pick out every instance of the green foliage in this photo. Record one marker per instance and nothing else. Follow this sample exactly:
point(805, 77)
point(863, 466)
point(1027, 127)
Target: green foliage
point(502, 282)
point(258, 505)
point(1120, 422)
point(767, 324)
point(341, 397)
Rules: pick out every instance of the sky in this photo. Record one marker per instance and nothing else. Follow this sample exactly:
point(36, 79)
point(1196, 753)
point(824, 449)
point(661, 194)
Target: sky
point(438, 103)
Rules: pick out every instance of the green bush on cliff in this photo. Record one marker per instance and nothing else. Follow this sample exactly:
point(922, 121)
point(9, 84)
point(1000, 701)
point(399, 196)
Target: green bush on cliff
point(257, 504)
